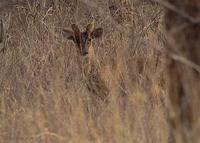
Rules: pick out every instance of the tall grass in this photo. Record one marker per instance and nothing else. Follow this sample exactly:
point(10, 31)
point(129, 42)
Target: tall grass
point(42, 95)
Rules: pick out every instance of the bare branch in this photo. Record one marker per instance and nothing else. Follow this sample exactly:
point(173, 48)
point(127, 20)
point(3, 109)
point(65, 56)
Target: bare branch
point(182, 13)
point(185, 61)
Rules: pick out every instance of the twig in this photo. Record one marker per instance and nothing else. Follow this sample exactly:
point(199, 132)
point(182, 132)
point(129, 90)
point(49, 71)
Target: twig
point(150, 23)
point(46, 133)
point(101, 11)
point(185, 61)
point(181, 59)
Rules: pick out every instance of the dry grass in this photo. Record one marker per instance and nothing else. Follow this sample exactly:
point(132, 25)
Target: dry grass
point(42, 95)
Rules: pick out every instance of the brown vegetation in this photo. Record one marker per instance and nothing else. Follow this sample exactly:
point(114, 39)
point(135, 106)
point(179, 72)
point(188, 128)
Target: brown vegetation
point(43, 95)
point(184, 76)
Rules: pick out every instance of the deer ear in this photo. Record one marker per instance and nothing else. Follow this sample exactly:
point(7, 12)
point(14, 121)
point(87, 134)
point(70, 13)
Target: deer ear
point(76, 30)
point(97, 33)
point(68, 34)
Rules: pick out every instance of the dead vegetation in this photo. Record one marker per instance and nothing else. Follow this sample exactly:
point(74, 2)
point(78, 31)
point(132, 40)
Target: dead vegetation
point(43, 97)
point(184, 79)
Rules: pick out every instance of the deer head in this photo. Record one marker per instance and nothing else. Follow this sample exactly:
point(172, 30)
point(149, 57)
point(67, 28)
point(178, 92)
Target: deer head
point(83, 40)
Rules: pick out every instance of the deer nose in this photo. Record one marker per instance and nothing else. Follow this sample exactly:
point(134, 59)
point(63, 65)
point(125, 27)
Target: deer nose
point(85, 53)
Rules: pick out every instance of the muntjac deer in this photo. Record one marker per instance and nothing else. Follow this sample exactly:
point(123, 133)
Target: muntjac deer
point(86, 57)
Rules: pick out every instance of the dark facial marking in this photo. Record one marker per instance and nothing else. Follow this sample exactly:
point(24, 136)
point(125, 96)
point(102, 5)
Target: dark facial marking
point(86, 41)
point(83, 40)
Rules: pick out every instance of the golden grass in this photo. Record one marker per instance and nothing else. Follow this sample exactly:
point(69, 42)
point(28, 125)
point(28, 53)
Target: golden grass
point(43, 98)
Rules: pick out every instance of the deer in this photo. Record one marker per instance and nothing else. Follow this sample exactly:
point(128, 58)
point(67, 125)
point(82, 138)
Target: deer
point(83, 41)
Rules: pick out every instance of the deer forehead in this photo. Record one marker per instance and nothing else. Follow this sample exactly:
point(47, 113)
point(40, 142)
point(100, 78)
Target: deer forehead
point(84, 37)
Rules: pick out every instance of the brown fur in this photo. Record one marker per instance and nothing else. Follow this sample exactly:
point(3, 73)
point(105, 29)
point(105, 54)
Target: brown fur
point(86, 58)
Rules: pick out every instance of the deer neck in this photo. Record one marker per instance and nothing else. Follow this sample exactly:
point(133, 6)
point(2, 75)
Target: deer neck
point(88, 63)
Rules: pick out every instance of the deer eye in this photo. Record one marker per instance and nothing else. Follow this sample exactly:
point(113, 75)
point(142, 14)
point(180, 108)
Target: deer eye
point(89, 39)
